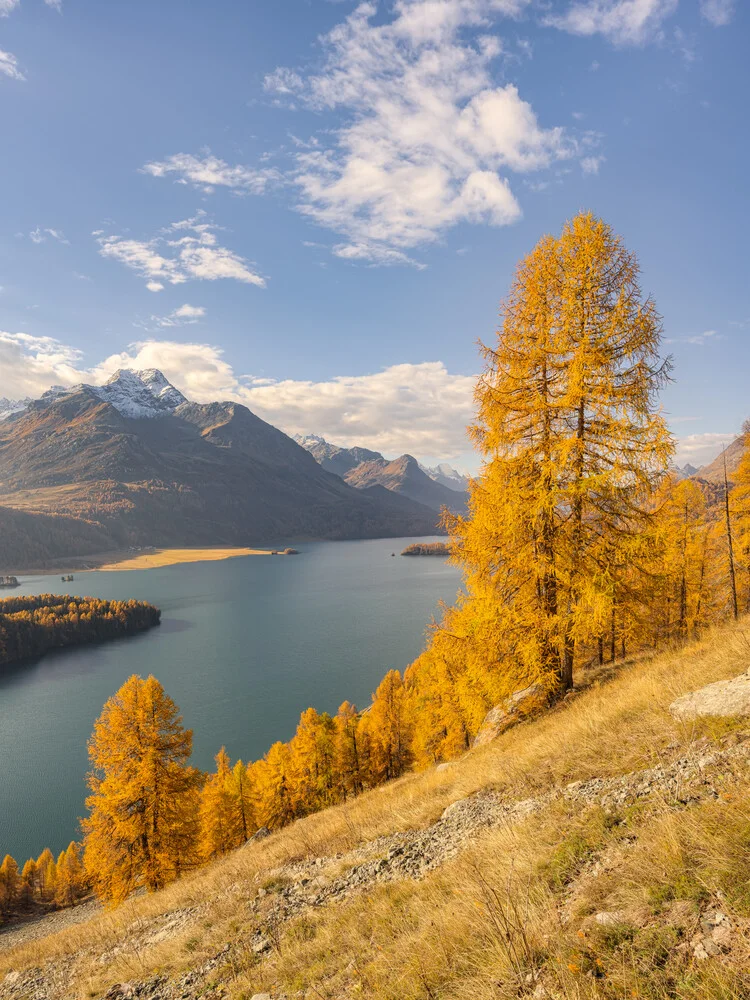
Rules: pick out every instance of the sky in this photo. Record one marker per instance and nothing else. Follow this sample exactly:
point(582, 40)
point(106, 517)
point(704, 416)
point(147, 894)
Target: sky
point(316, 207)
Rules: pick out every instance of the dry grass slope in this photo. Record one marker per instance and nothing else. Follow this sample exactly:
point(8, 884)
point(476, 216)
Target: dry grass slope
point(620, 887)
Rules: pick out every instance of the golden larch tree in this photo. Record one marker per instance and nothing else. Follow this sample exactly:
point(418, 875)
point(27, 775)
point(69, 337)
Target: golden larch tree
point(220, 811)
point(140, 830)
point(573, 450)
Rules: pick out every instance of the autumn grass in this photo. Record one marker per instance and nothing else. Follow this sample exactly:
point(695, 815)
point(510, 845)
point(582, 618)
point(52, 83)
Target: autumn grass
point(507, 914)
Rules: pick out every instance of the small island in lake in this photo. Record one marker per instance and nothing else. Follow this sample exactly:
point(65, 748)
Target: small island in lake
point(31, 626)
point(427, 549)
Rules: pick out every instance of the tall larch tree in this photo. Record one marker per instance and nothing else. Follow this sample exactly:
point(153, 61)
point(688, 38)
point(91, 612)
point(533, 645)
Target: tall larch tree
point(10, 886)
point(390, 729)
point(574, 448)
point(220, 811)
point(139, 831)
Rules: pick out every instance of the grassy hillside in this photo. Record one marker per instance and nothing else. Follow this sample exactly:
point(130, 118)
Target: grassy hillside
point(599, 851)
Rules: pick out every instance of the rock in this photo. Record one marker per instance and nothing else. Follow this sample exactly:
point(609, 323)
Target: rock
point(724, 698)
point(260, 834)
point(516, 707)
point(261, 996)
point(609, 919)
point(120, 991)
point(446, 765)
point(262, 945)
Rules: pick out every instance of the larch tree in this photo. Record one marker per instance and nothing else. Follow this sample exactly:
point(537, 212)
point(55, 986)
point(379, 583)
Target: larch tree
point(140, 830)
point(28, 883)
point(220, 811)
point(243, 788)
point(741, 505)
point(348, 756)
point(10, 885)
point(312, 762)
point(390, 729)
point(574, 448)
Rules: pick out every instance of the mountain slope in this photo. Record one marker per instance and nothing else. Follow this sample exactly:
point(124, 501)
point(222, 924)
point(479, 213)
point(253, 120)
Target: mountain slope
point(714, 471)
point(362, 468)
point(615, 869)
point(181, 473)
point(404, 475)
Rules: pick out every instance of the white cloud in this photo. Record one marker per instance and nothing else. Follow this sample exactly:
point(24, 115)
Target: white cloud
point(283, 81)
point(182, 258)
point(55, 5)
point(427, 138)
point(375, 254)
point(182, 316)
point(210, 172)
point(717, 12)
point(419, 408)
point(9, 65)
point(700, 449)
point(698, 339)
point(40, 235)
point(591, 164)
point(29, 365)
point(8, 6)
point(623, 22)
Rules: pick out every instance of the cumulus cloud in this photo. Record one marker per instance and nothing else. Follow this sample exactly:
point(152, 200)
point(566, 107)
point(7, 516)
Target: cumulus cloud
point(427, 138)
point(623, 22)
point(8, 6)
point(420, 408)
point(717, 12)
point(29, 365)
point(9, 65)
point(700, 449)
point(174, 258)
point(209, 172)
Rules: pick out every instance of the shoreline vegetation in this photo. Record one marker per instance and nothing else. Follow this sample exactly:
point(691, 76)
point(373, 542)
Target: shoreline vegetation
point(428, 549)
point(33, 626)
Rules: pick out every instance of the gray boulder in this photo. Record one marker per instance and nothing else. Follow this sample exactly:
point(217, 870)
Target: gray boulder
point(508, 712)
point(724, 698)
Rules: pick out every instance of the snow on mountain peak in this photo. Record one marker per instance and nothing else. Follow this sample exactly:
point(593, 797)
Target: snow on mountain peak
point(140, 394)
point(10, 406)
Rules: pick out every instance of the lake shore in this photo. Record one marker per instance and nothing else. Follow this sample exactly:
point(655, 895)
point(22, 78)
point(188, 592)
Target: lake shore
point(174, 557)
point(148, 559)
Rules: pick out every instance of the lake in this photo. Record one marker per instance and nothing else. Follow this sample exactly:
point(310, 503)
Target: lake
point(245, 645)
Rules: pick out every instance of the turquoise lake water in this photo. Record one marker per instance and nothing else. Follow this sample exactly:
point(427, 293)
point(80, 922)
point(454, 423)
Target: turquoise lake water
point(244, 646)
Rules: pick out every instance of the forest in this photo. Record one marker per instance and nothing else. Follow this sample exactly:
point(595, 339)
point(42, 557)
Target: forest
point(580, 546)
point(31, 626)
point(427, 549)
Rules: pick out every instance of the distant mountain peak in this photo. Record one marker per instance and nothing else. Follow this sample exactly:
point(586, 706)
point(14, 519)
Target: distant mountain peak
point(134, 394)
point(138, 394)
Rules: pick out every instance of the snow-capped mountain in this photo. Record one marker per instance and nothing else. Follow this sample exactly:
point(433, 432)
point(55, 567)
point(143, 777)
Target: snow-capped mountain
point(138, 394)
point(446, 475)
point(147, 393)
point(10, 406)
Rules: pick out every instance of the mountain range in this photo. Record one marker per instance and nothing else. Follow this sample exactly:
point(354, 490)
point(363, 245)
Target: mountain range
point(133, 463)
point(360, 467)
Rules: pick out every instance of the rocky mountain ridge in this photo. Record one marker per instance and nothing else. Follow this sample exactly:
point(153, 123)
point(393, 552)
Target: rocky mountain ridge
point(361, 467)
point(141, 465)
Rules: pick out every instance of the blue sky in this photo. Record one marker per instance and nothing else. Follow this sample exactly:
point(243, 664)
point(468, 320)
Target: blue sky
point(316, 207)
